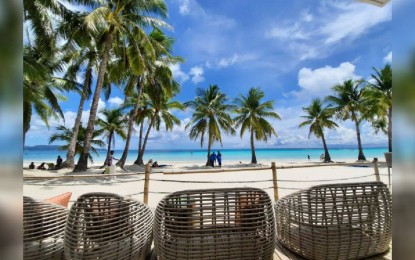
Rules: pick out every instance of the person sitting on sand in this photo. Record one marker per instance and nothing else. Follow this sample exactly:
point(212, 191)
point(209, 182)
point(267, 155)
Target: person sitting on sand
point(155, 164)
point(58, 163)
point(41, 166)
point(32, 165)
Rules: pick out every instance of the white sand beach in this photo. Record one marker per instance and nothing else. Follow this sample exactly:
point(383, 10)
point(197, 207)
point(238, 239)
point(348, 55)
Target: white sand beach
point(130, 182)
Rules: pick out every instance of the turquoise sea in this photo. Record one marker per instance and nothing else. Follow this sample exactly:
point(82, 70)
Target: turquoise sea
point(199, 155)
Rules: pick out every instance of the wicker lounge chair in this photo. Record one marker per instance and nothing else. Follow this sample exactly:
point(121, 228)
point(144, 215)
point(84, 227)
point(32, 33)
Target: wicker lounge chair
point(233, 223)
point(108, 226)
point(43, 229)
point(337, 221)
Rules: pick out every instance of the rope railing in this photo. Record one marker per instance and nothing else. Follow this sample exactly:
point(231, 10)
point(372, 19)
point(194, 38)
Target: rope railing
point(274, 180)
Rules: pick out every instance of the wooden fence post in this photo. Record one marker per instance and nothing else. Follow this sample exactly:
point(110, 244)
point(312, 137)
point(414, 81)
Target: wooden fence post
point(274, 180)
point(375, 166)
point(146, 183)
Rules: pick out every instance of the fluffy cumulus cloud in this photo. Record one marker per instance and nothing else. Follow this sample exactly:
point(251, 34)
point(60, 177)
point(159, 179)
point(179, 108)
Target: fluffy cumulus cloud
point(197, 74)
point(178, 74)
point(388, 58)
point(115, 101)
point(319, 81)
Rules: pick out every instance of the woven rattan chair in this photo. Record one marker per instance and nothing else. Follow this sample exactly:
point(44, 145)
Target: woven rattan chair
point(43, 229)
point(233, 223)
point(108, 226)
point(336, 221)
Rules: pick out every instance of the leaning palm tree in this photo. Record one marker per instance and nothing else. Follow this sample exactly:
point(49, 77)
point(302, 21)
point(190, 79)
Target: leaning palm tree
point(160, 112)
point(350, 103)
point(251, 116)
point(123, 22)
point(65, 135)
point(318, 118)
point(113, 122)
point(379, 94)
point(210, 116)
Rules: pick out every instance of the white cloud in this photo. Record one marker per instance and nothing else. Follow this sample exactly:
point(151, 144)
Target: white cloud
point(197, 73)
point(286, 32)
point(178, 74)
point(115, 101)
point(319, 81)
point(236, 58)
point(184, 7)
point(388, 58)
point(354, 20)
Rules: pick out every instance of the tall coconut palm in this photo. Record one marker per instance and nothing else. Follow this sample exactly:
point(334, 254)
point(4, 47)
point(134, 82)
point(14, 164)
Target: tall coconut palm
point(162, 46)
point(123, 21)
point(210, 117)
point(113, 122)
point(160, 109)
point(319, 117)
point(251, 116)
point(379, 94)
point(350, 103)
point(65, 135)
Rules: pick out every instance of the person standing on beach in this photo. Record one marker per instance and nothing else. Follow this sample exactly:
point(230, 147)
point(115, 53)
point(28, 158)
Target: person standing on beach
point(212, 159)
point(219, 158)
point(308, 157)
point(110, 158)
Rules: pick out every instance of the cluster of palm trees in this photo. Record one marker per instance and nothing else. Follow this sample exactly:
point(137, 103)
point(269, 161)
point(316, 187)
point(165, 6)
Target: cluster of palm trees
point(122, 43)
point(357, 100)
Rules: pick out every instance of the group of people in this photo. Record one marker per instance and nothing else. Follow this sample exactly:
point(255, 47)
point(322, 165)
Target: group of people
point(215, 157)
point(51, 166)
point(321, 157)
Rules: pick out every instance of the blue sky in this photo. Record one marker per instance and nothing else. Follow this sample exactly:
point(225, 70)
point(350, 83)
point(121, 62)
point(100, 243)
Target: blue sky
point(293, 50)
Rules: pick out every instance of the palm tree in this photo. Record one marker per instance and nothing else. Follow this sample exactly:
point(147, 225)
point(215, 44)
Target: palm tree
point(113, 123)
point(123, 21)
point(160, 107)
point(251, 114)
point(65, 135)
point(81, 60)
point(162, 46)
point(379, 93)
point(210, 116)
point(318, 118)
point(39, 90)
point(350, 103)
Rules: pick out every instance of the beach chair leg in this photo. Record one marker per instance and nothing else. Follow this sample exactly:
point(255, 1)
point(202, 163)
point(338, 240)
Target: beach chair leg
point(389, 177)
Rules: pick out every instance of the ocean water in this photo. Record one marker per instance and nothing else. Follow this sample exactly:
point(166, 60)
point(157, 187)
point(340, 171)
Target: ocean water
point(199, 155)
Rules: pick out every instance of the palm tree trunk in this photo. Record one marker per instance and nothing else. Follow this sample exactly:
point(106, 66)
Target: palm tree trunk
point(70, 156)
point(108, 150)
point(253, 159)
point(327, 157)
point(131, 121)
point(140, 142)
point(208, 152)
point(141, 154)
point(359, 142)
point(82, 164)
point(390, 129)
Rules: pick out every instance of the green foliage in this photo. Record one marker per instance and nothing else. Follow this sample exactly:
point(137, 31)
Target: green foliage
point(65, 134)
point(210, 115)
point(318, 117)
point(252, 114)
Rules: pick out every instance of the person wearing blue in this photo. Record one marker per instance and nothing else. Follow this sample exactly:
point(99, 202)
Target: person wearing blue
point(212, 159)
point(219, 159)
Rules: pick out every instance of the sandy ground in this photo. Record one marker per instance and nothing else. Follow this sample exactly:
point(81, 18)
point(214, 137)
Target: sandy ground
point(130, 182)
